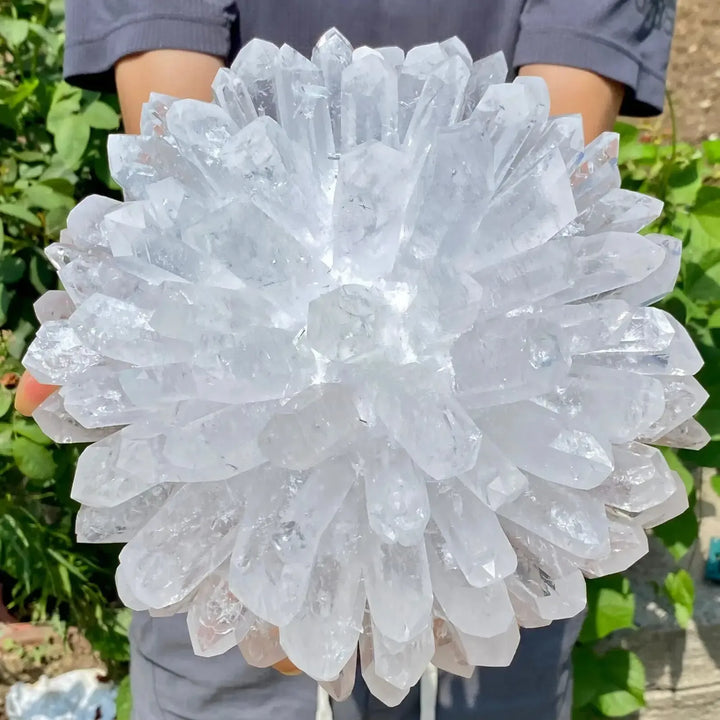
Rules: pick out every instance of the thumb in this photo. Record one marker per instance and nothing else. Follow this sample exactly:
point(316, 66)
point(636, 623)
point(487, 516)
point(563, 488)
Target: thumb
point(286, 667)
point(30, 393)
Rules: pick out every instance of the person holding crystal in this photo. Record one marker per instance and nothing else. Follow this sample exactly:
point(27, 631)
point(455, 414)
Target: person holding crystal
point(599, 59)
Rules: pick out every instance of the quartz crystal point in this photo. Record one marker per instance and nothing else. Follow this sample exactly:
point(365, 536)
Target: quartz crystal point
point(367, 362)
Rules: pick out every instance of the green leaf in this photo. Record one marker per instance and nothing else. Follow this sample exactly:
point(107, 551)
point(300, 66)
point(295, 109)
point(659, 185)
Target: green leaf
point(617, 703)
point(706, 286)
point(6, 297)
point(41, 275)
point(52, 42)
point(71, 139)
point(706, 195)
point(631, 147)
point(709, 456)
point(19, 339)
point(611, 607)
point(715, 483)
point(681, 307)
point(30, 156)
point(6, 439)
point(9, 170)
point(42, 196)
point(33, 460)
point(708, 217)
point(714, 320)
point(676, 464)
point(65, 103)
point(6, 400)
point(679, 587)
point(585, 687)
point(621, 683)
point(29, 429)
point(709, 418)
point(62, 185)
point(9, 117)
point(684, 184)
point(56, 220)
point(711, 148)
point(124, 700)
point(101, 115)
point(20, 212)
point(12, 269)
point(14, 30)
point(679, 534)
point(23, 91)
point(57, 170)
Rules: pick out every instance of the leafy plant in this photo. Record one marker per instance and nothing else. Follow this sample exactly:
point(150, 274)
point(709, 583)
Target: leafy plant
point(52, 152)
point(124, 700)
point(687, 179)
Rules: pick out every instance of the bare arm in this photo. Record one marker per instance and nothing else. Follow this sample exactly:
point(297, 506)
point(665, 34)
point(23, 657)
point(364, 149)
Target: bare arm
point(183, 73)
point(180, 73)
point(580, 91)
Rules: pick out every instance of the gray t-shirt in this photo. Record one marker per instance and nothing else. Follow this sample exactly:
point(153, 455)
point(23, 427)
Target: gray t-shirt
point(625, 40)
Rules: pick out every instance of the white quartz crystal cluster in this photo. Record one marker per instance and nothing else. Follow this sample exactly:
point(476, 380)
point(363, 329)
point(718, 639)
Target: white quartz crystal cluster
point(367, 362)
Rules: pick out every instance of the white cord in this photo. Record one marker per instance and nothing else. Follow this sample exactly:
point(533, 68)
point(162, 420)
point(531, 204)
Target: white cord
point(324, 711)
point(428, 697)
point(428, 693)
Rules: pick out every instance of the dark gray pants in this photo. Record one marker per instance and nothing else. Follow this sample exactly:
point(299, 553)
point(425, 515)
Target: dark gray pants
point(170, 683)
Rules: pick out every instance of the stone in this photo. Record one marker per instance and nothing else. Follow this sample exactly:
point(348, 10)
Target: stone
point(332, 54)
point(53, 305)
point(367, 210)
point(118, 524)
point(255, 66)
point(179, 548)
point(438, 105)
point(215, 617)
point(369, 103)
point(62, 427)
point(491, 70)
point(58, 353)
point(231, 94)
point(387, 568)
point(398, 507)
point(323, 636)
point(367, 363)
point(340, 688)
point(483, 375)
point(570, 455)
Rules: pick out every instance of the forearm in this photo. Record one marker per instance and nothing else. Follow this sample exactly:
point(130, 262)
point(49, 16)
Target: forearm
point(578, 91)
point(180, 73)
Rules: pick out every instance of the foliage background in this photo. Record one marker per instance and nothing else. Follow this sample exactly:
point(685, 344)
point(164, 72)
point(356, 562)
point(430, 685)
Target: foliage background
point(52, 153)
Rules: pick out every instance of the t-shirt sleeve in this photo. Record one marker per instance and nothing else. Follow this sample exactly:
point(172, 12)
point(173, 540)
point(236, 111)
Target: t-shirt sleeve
point(100, 32)
point(624, 40)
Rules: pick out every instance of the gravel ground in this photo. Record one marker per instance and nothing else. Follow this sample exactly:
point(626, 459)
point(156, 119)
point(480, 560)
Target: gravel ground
point(694, 76)
point(27, 652)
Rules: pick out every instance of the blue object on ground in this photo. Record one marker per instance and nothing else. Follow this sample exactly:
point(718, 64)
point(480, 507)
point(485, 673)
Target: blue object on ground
point(712, 567)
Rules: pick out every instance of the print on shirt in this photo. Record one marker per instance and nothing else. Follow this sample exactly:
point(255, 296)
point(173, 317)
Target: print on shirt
point(658, 14)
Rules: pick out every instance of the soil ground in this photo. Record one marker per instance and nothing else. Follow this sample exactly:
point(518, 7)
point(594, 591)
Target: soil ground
point(694, 75)
point(27, 652)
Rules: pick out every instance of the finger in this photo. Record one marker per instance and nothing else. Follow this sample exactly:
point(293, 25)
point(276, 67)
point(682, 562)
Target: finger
point(286, 668)
point(30, 393)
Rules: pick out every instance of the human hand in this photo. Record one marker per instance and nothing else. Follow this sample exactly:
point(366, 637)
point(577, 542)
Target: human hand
point(286, 667)
point(30, 393)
